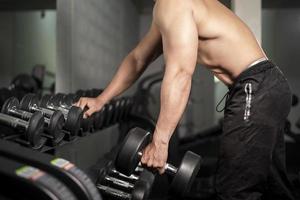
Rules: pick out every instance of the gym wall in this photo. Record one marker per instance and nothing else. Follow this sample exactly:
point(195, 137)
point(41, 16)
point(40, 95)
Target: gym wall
point(27, 38)
point(93, 36)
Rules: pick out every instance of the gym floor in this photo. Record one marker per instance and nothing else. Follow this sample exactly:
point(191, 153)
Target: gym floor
point(53, 52)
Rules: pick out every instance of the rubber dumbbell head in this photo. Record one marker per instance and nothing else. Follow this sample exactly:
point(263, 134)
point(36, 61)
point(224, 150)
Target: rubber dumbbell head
point(140, 191)
point(128, 157)
point(130, 154)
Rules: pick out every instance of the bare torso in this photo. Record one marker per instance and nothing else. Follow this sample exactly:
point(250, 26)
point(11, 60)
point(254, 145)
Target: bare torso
point(226, 44)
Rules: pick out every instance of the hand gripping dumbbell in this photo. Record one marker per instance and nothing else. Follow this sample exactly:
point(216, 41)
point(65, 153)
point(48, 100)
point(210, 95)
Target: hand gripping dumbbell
point(32, 129)
point(130, 154)
point(64, 101)
point(53, 124)
point(100, 117)
point(72, 115)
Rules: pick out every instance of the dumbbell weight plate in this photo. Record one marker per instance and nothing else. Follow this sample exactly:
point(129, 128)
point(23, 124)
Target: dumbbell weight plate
point(116, 113)
point(57, 99)
point(57, 122)
point(73, 121)
point(147, 176)
point(128, 107)
point(99, 119)
point(35, 129)
point(9, 104)
point(70, 99)
point(186, 174)
point(141, 191)
point(109, 109)
point(44, 100)
point(128, 158)
point(96, 92)
point(122, 109)
point(29, 100)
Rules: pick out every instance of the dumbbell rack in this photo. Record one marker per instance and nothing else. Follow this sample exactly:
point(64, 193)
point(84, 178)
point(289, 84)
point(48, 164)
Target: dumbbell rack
point(114, 112)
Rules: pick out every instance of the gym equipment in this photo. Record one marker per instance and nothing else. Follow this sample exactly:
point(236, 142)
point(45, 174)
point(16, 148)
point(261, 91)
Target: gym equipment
point(130, 154)
point(131, 178)
point(73, 117)
point(32, 129)
point(128, 107)
point(54, 124)
point(109, 110)
point(30, 183)
point(117, 111)
point(62, 169)
point(61, 101)
point(140, 192)
point(112, 177)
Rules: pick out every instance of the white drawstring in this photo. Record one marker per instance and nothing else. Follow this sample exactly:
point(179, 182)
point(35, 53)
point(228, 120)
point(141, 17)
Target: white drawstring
point(248, 91)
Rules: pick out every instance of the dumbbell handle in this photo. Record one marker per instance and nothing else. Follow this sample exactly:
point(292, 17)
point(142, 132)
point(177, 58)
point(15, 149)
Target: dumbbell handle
point(20, 113)
point(170, 169)
point(64, 111)
point(132, 177)
point(119, 182)
point(24, 114)
point(114, 192)
point(46, 112)
point(13, 121)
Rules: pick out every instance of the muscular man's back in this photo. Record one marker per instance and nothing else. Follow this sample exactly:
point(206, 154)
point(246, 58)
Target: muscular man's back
point(226, 44)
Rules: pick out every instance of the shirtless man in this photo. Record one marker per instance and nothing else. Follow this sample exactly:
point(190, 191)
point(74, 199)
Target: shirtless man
point(252, 158)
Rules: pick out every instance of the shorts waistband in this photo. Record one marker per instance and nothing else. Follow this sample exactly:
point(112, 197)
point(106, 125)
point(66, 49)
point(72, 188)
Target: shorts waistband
point(255, 68)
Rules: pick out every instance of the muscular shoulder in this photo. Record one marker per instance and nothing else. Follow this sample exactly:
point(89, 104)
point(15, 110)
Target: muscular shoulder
point(166, 11)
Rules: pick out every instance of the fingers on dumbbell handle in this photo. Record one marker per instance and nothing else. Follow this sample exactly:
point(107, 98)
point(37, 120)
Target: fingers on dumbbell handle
point(168, 167)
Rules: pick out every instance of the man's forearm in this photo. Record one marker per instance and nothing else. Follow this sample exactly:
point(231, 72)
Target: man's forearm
point(128, 72)
point(175, 92)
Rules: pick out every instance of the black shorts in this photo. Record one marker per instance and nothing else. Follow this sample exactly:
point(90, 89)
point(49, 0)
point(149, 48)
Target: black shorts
point(252, 157)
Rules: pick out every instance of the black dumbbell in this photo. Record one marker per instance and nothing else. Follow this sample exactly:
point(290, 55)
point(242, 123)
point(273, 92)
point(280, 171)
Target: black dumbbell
point(131, 178)
point(99, 118)
point(130, 154)
point(72, 115)
point(53, 125)
point(116, 111)
point(122, 109)
point(32, 129)
point(128, 107)
point(140, 190)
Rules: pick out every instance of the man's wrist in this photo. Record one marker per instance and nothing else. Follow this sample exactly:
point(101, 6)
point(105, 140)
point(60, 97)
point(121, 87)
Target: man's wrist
point(161, 138)
point(100, 100)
